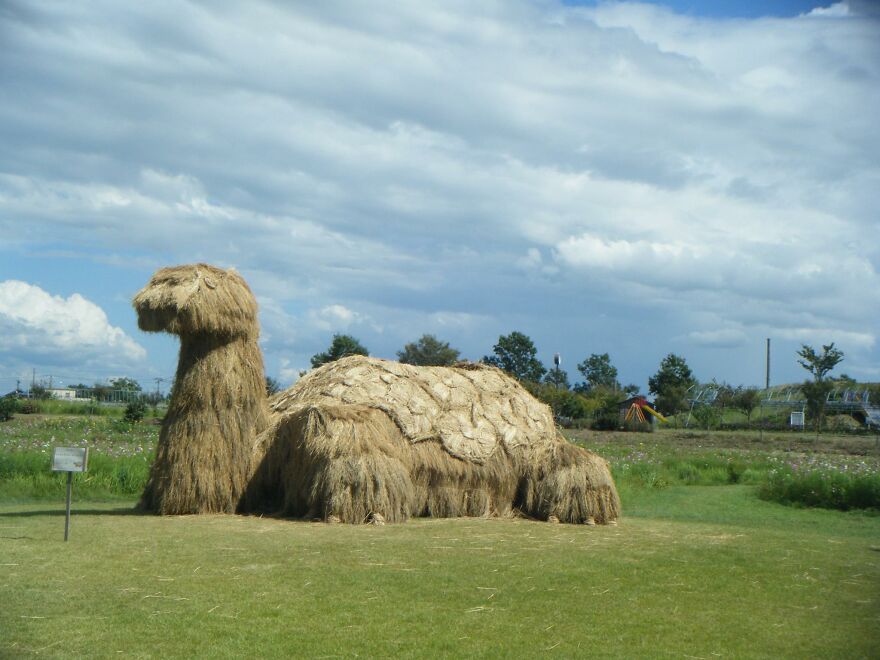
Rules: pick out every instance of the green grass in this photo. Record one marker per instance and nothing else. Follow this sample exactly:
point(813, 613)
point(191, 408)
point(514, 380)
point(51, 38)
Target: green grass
point(690, 571)
point(119, 456)
point(697, 567)
point(830, 489)
point(39, 407)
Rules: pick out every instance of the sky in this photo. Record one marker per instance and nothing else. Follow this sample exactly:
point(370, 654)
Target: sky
point(631, 178)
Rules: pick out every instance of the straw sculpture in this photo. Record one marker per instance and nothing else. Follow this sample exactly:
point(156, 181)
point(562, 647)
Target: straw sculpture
point(204, 459)
point(357, 440)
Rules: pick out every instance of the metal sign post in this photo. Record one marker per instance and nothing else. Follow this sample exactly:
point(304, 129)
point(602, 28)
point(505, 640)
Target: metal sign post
point(70, 460)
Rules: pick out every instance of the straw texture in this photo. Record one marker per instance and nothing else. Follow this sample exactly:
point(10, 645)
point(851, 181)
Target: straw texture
point(204, 458)
point(357, 440)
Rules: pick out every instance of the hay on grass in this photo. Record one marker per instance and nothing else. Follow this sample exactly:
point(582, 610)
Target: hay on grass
point(359, 439)
point(363, 436)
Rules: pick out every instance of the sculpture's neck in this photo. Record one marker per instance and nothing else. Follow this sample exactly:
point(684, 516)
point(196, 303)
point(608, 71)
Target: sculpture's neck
point(206, 452)
point(222, 374)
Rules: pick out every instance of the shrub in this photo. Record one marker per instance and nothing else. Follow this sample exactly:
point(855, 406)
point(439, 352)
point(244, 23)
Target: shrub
point(29, 407)
point(825, 489)
point(8, 408)
point(135, 411)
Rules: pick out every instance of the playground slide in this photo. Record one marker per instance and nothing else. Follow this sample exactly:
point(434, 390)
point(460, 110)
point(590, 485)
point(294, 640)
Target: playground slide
point(650, 410)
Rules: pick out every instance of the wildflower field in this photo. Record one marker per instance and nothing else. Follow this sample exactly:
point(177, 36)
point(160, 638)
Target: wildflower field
point(837, 471)
point(119, 456)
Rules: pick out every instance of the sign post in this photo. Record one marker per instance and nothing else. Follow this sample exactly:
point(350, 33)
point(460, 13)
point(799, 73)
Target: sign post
point(70, 460)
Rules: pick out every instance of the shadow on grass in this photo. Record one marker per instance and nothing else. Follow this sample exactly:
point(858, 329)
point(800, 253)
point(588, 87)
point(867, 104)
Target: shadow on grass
point(121, 511)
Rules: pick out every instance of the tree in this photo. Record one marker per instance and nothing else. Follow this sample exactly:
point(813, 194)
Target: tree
point(428, 351)
point(746, 399)
point(515, 353)
point(40, 392)
point(127, 384)
point(558, 378)
point(566, 405)
point(341, 346)
point(672, 400)
point(272, 386)
point(135, 411)
point(8, 408)
point(598, 370)
point(670, 384)
point(818, 364)
point(631, 390)
point(816, 394)
point(707, 415)
point(101, 392)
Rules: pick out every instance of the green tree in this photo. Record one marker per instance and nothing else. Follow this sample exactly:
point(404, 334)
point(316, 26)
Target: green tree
point(598, 370)
point(127, 384)
point(101, 392)
point(8, 408)
point(135, 411)
point(515, 353)
point(707, 415)
point(631, 390)
point(670, 384)
point(566, 405)
point(819, 365)
point(672, 400)
point(428, 351)
point(558, 378)
point(40, 392)
point(272, 386)
point(341, 346)
point(746, 399)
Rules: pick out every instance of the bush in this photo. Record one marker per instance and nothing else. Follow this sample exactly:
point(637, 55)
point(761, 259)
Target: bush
point(135, 411)
point(29, 407)
point(825, 489)
point(566, 405)
point(8, 408)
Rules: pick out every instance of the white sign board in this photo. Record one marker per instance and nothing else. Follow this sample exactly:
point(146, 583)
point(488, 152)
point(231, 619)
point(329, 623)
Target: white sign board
point(70, 459)
point(797, 419)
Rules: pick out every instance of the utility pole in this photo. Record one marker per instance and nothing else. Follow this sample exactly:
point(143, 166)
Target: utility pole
point(766, 388)
point(557, 360)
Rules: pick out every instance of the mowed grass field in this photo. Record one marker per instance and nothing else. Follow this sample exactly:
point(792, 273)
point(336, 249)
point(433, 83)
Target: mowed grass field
point(691, 571)
point(699, 566)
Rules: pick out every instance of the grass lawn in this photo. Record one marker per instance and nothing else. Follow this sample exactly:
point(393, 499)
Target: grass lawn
point(691, 571)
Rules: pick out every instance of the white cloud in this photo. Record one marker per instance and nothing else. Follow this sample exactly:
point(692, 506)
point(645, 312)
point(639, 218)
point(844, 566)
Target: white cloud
point(501, 162)
point(724, 338)
point(335, 317)
point(851, 340)
point(290, 373)
point(67, 330)
point(837, 10)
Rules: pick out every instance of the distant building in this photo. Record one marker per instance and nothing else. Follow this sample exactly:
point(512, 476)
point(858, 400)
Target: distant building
point(65, 394)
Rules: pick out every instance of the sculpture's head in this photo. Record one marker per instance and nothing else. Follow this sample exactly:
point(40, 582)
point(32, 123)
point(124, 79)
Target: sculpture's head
point(197, 299)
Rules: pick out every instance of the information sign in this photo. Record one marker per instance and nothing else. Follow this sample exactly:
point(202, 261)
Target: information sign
point(70, 459)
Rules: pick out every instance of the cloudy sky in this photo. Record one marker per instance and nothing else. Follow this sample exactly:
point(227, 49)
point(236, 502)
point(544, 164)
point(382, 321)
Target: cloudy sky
point(628, 178)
